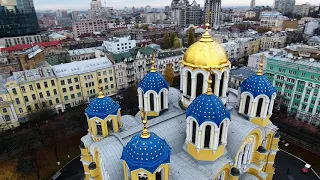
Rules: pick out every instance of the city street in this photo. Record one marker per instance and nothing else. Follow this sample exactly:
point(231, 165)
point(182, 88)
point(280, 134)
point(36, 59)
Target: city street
point(284, 161)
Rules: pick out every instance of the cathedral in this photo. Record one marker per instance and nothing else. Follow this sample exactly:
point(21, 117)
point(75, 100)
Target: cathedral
point(203, 131)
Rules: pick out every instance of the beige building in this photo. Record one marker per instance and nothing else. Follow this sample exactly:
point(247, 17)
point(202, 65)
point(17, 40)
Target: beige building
point(8, 115)
point(173, 57)
point(89, 26)
point(273, 40)
point(153, 17)
point(271, 19)
point(58, 87)
point(83, 54)
point(250, 14)
point(302, 9)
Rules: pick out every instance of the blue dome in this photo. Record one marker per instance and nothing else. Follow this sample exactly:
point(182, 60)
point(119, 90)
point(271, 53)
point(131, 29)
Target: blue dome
point(148, 153)
point(257, 85)
point(102, 107)
point(208, 108)
point(153, 81)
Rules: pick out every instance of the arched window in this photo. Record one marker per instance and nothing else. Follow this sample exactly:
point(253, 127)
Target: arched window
point(221, 84)
point(99, 128)
point(199, 84)
point(162, 100)
point(142, 176)
point(207, 136)
point(142, 99)
point(258, 113)
point(245, 155)
point(221, 176)
point(151, 99)
point(193, 134)
point(247, 104)
point(110, 125)
point(7, 117)
point(159, 175)
point(221, 133)
point(213, 77)
point(189, 83)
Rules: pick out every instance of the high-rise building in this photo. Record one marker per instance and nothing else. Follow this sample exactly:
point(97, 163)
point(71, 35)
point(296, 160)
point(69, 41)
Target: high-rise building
point(194, 14)
point(214, 7)
point(185, 13)
point(253, 4)
point(17, 18)
point(284, 6)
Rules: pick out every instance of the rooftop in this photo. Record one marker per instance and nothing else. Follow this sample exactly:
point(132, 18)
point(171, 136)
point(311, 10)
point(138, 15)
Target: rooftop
point(163, 55)
point(3, 79)
point(27, 46)
point(243, 72)
point(80, 67)
point(76, 52)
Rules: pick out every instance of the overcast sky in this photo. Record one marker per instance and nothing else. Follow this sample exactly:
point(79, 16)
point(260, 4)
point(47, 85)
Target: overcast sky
point(118, 4)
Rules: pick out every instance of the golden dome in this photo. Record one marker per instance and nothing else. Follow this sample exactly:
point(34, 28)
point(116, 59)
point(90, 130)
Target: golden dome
point(206, 54)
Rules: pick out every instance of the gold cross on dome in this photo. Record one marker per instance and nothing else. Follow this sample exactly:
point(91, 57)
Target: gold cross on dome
point(208, 13)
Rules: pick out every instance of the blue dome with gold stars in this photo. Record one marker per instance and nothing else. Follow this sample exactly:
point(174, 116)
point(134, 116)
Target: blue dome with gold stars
point(102, 107)
point(147, 153)
point(207, 108)
point(153, 81)
point(257, 85)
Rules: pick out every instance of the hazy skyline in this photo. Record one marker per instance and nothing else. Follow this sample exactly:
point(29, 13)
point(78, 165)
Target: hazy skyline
point(118, 4)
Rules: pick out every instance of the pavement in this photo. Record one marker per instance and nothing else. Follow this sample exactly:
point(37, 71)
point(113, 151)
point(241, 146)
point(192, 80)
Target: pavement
point(72, 171)
point(284, 161)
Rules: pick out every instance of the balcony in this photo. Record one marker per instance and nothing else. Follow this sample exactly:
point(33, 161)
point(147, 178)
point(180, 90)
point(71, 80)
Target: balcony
point(129, 67)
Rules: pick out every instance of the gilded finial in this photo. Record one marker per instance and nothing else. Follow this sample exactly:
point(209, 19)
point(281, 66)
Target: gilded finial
point(209, 89)
point(206, 36)
point(100, 94)
point(145, 133)
point(153, 61)
point(260, 71)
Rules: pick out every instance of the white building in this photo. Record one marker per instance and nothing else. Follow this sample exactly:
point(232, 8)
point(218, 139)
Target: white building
point(314, 41)
point(273, 40)
point(254, 59)
point(250, 14)
point(302, 9)
point(153, 17)
point(118, 45)
point(213, 6)
point(271, 19)
point(232, 50)
point(84, 54)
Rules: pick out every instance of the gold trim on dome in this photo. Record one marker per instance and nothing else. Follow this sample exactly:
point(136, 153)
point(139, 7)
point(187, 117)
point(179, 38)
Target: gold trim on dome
point(227, 64)
point(100, 94)
point(153, 62)
point(145, 133)
point(260, 71)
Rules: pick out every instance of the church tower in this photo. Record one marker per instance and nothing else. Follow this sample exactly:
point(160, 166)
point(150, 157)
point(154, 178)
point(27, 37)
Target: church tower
point(103, 116)
point(153, 92)
point(203, 59)
point(207, 126)
point(257, 97)
point(146, 156)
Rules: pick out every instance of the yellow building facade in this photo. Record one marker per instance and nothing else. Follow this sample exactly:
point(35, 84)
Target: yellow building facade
point(58, 87)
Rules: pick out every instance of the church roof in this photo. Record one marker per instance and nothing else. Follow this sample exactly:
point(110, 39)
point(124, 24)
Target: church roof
point(257, 85)
point(208, 108)
point(147, 153)
point(102, 107)
point(153, 81)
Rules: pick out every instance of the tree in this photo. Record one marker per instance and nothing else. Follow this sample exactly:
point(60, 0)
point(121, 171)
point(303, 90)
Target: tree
point(146, 27)
point(172, 38)
point(25, 166)
point(166, 39)
point(190, 36)
point(40, 115)
point(263, 29)
point(129, 101)
point(294, 37)
point(169, 73)
point(317, 31)
point(177, 43)
point(136, 26)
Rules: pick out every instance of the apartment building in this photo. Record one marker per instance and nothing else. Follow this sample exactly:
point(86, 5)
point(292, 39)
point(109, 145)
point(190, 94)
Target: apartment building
point(297, 79)
point(173, 57)
point(119, 45)
point(84, 54)
point(30, 58)
point(19, 40)
point(271, 19)
point(131, 66)
point(273, 40)
point(58, 87)
point(89, 26)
